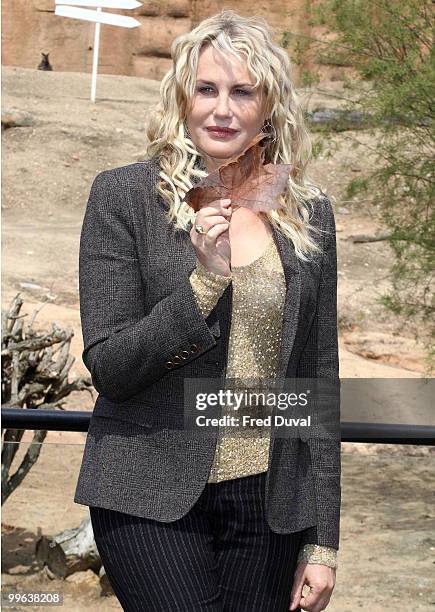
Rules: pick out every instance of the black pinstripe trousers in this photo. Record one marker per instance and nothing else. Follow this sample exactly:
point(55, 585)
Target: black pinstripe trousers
point(221, 556)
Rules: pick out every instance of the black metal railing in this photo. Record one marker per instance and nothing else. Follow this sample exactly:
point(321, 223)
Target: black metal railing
point(76, 420)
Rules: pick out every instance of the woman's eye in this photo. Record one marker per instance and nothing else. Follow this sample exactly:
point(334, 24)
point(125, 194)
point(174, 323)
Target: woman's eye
point(242, 92)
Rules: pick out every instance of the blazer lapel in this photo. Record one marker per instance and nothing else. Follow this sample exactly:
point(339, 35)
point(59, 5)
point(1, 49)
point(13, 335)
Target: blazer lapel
point(292, 274)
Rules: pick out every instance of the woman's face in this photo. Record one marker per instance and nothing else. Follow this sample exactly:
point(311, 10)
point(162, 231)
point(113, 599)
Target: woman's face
point(224, 98)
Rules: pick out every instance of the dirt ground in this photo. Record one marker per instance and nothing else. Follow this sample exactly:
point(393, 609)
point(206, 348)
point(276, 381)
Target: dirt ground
point(387, 553)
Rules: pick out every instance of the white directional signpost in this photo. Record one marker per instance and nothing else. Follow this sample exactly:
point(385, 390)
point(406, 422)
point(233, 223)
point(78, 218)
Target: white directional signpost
point(71, 8)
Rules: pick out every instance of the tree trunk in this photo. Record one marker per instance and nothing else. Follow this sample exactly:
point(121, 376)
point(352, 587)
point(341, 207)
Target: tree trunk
point(72, 550)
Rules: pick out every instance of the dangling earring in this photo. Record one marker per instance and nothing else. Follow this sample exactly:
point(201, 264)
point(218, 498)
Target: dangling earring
point(186, 131)
point(270, 130)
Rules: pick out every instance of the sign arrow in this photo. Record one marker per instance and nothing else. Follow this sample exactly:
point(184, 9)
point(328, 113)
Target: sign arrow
point(97, 17)
point(115, 4)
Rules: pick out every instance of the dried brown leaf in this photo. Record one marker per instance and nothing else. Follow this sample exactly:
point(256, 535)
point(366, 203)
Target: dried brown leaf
point(245, 179)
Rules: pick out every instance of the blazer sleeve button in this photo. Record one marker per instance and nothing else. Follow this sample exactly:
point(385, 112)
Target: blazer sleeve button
point(193, 348)
point(169, 365)
point(176, 359)
point(185, 354)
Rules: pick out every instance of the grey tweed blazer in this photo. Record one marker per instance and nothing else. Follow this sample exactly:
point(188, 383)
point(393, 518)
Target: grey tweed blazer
point(138, 313)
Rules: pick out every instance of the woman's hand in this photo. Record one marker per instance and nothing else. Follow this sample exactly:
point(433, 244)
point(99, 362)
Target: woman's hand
point(320, 579)
point(213, 248)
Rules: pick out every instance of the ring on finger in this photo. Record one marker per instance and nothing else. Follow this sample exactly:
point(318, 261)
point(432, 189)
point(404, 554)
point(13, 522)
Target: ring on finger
point(199, 229)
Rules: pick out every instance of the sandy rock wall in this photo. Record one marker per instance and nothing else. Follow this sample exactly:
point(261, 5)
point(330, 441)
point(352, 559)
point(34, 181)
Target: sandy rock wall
point(31, 27)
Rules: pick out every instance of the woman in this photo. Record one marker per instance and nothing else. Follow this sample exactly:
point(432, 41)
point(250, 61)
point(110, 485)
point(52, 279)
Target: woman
point(183, 520)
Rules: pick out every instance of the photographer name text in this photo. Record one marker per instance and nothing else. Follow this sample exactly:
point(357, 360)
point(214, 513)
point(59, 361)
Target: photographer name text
point(248, 421)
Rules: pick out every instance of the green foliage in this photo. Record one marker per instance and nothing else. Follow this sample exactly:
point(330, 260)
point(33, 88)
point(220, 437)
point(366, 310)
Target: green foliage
point(356, 186)
point(285, 39)
point(390, 48)
point(308, 78)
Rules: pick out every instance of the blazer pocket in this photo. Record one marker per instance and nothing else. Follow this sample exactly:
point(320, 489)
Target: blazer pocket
point(130, 412)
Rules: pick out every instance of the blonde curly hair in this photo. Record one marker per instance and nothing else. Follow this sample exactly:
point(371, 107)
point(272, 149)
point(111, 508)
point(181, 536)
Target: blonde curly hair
point(181, 165)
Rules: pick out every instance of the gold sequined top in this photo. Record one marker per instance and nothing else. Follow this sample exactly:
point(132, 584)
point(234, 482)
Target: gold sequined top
point(255, 337)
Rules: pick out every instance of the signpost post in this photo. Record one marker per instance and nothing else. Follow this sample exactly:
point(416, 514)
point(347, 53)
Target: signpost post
point(71, 8)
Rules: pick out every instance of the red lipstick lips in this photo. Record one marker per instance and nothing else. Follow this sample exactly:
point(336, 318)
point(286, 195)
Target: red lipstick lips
point(221, 130)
